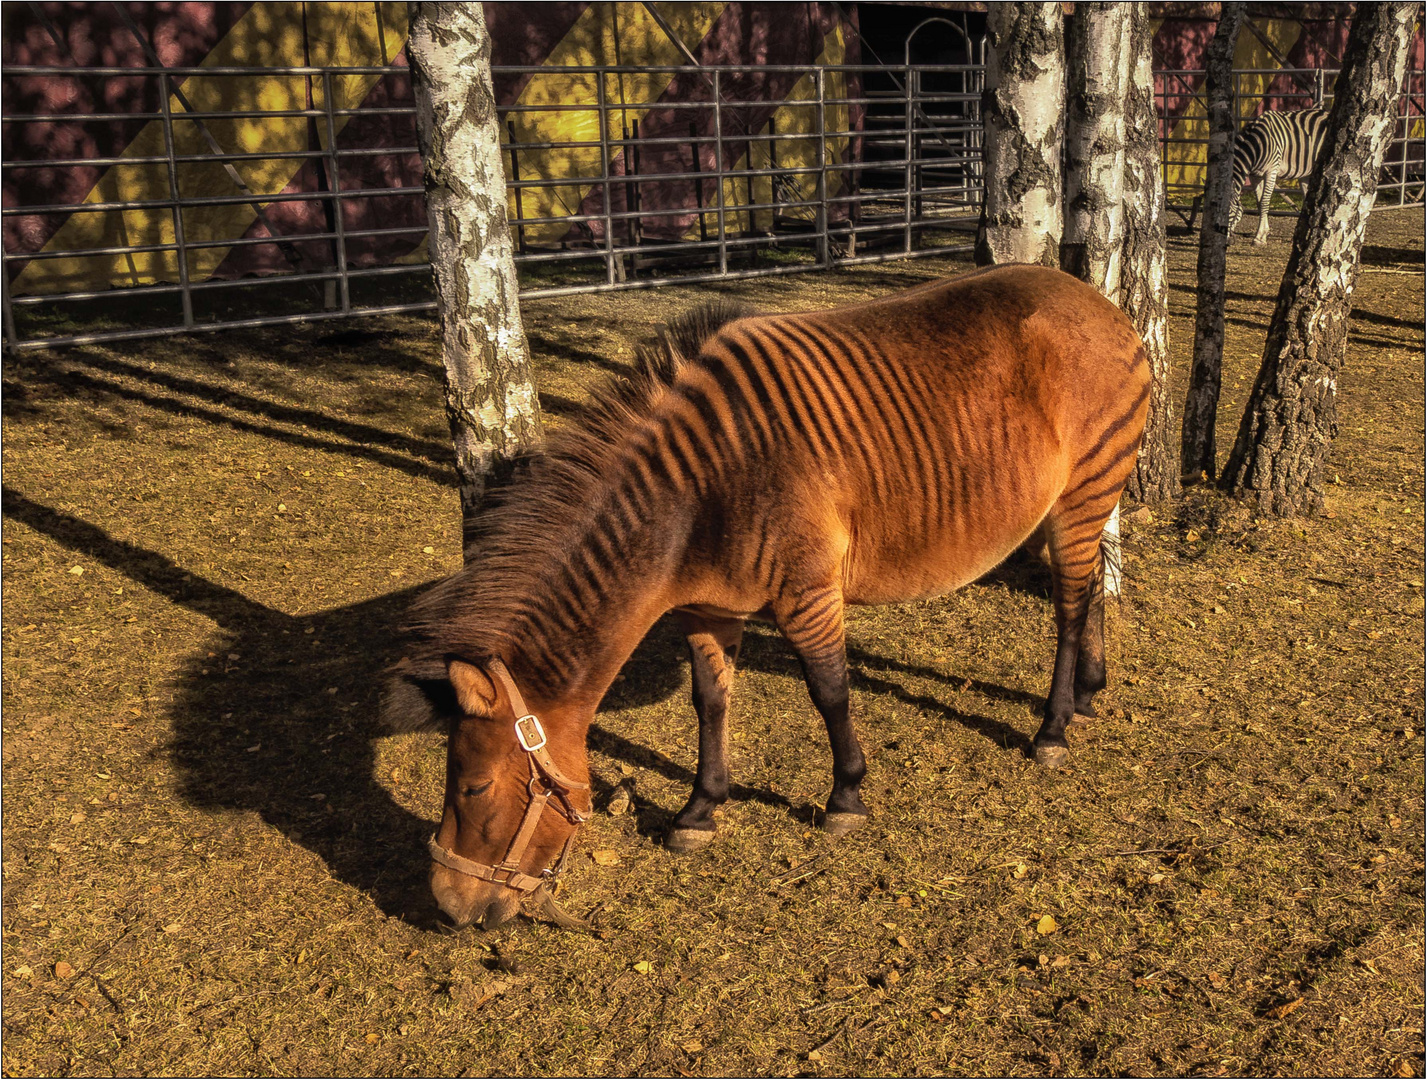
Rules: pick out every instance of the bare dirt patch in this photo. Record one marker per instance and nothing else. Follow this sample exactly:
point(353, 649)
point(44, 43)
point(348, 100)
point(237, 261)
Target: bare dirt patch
point(213, 862)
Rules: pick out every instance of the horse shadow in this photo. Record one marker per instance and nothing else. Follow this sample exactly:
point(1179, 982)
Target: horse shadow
point(278, 714)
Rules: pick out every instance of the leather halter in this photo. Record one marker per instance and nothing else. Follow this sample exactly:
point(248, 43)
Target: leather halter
point(546, 782)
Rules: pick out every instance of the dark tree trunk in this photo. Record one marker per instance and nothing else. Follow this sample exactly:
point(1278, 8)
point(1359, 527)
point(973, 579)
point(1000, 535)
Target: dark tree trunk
point(1023, 109)
point(1291, 417)
point(1201, 403)
point(1143, 283)
point(490, 390)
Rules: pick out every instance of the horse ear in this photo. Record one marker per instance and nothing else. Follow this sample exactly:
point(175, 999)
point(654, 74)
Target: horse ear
point(474, 690)
point(412, 703)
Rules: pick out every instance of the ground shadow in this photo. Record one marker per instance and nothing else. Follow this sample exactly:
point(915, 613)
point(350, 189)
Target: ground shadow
point(278, 714)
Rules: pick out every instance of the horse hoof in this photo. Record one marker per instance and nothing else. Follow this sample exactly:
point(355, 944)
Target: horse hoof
point(1085, 709)
point(685, 841)
point(839, 824)
point(1052, 757)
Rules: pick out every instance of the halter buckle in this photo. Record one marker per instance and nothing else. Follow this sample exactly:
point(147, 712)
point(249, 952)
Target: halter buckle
point(529, 733)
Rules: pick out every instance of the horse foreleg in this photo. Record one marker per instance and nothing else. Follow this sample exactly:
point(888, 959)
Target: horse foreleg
point(812, 623)
point(713, 652)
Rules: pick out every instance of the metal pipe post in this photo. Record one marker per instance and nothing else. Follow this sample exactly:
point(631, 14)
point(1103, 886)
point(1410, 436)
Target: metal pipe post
point(334, 187)
point(718, 174)
point(824, 246)
point(181, 249)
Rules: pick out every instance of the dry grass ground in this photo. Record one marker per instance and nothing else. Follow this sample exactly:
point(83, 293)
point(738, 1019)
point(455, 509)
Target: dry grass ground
point(214, 863)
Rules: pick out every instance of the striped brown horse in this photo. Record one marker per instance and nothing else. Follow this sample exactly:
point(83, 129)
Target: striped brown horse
point(775, 466)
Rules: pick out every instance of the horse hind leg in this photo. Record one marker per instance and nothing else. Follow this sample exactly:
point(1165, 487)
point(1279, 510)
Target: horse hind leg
point(713, 652)
point(1074, 534)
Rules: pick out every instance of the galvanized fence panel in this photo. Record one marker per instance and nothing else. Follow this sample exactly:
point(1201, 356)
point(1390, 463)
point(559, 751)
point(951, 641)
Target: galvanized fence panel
point(877, 163)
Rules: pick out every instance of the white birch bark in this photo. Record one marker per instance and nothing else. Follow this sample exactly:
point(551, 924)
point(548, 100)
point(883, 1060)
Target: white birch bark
point(1023, 110)
point(1144, 286)
point(490, 391)
point(1097, 74)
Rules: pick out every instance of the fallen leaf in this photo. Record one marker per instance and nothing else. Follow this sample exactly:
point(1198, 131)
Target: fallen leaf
point(903, 942)
point(173, 928)
point(693, 1046)
point(63, 970)
point(893, 976)
point(1020, 871)
point(1405, 1067)
point(937, 1015)
point(281, 507)
point(76, 570)
point(1216, 980)
point(813, 1055)
point(24, 971)
point(1047, 925)
point(77, 817)
point(1060, 962)
point(373, 1038)
point(644, 967)
point(1155, 879)
point(428, 550)
point(1278, 1012)
point(1394, 822)
point(904, 901)
point(605, 857)
point(1191, 536)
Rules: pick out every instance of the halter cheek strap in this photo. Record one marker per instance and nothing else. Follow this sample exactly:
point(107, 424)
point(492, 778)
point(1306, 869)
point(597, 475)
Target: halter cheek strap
point(546, 782)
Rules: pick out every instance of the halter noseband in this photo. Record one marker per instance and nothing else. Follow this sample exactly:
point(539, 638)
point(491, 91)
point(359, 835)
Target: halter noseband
point(546, 782)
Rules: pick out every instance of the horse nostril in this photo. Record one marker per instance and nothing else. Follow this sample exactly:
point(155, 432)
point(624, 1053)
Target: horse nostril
point(471, 791)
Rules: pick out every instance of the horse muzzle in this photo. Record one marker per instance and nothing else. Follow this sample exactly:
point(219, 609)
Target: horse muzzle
point(466, 900)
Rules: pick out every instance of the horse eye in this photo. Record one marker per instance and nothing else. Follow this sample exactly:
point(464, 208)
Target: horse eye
point(471, 791)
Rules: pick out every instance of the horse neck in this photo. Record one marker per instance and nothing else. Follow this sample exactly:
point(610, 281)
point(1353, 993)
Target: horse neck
point(596, 587)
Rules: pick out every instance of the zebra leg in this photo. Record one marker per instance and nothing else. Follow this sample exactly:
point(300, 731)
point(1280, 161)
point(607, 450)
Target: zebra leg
point(812, 623)
point(713, 652)
point(1265, 198)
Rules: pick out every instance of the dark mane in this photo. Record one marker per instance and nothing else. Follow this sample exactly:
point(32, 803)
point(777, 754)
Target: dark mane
point(476, 612)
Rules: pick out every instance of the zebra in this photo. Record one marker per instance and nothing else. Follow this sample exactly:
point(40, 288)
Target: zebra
point(1272, 147)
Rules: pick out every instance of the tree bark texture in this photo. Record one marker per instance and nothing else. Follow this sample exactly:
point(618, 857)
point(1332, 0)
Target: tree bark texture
point(1201, 403)
point(1097, 74)
point(1023, 110)
point(490, 390)
point(1291, 418)
point(1144, 287)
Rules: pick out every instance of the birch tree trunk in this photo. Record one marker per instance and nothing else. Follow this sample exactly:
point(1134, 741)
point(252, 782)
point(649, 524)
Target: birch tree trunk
point(1023, 110)
point(490, 391)
point(1097, 74)
point(1291, 417)
point(1144, 288)
point(1201, 403)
